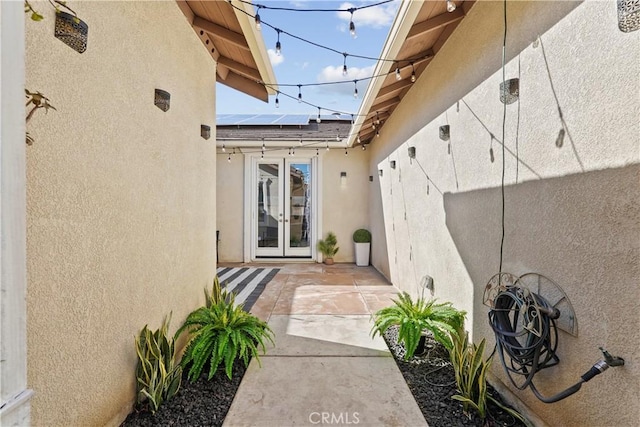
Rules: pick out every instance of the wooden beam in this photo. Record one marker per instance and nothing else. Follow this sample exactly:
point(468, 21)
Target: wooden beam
point(385, 104)
point(246, 71)
point(216, 30)
point(394, 87)
point(435, 23)
point(250, 87)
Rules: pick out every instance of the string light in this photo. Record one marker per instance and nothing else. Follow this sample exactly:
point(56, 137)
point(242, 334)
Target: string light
point(289, 151)
point(318, 119)
point(344, 66)
point(257, 19)
point(359, 138)
point(229, 158)
point(293, 151)
point(355, 92)
point(451, 6)
point(398, 75)
point(346, 152)
point(413, 74)
point(263, 146)
point(377, 134)
point(223, 149)
point(364, 147)
point(317, 152)
point(301, 142)
point(277, 100)
point(278, 44)
point(377, 118)
point(338, 138)
point(327, 145)
point(299, 93)
point(352, 26)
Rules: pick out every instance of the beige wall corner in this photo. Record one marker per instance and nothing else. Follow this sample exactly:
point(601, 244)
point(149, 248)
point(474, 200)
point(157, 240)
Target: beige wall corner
point(120, 201)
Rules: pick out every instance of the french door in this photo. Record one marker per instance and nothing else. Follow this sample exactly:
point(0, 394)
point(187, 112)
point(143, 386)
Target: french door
point(283, 209)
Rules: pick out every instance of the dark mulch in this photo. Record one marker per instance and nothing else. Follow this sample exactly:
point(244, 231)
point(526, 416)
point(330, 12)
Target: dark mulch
point(201, 403)
point(431, 379)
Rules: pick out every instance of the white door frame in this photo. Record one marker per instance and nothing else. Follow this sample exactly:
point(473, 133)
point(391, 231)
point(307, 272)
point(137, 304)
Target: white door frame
point(250, 200)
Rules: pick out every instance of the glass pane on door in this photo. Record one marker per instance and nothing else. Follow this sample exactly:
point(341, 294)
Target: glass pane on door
point(299, 215)
point(269, 205)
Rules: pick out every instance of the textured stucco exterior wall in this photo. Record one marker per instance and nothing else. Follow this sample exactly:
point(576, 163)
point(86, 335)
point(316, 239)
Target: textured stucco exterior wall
point(345, 208)
point(230, 207)
point(572, 213)
point(121, 201)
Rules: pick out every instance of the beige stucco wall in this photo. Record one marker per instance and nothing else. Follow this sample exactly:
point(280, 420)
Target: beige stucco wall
point(230, 206)
point(121, 201)
point(344, 208)
point(573, 214)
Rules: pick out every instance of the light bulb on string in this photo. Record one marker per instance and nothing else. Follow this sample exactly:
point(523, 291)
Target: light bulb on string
point(364, 147)
point(352, 26)
point(346, 152)
point(359, 139)
point(318, 119)
point(355, 93)
point(352, 119)
point(451, 6)
point(327, 145)
point(289, 151)
point(263, 146)
point(317, 152)
point(377, 118)
point(344, 65)
point(277, 100)
point(258, 20)
point(377, 134)
point(413, 74)
point(234, 151)
point(427, 187)
point(398, 75)
point(301, 142)
point(293, 151)
point(229, 158)
point(278, 44)
point(223, 149)
point(299, 93)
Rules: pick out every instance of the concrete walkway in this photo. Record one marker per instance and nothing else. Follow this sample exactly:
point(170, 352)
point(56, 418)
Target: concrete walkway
point(324, 368)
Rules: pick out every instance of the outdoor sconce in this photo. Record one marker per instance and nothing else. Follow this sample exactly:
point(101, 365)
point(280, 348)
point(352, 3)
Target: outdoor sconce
point(392, 163)
point(509, 91)
point(71, 30)
point(205, 131)
point(380, 172)
point(343, 178)
point(162, 100)
point(628, 15)
point(445, 132)
point(412, 152)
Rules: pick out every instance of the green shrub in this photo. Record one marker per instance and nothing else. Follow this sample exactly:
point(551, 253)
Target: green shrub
point(158, 377)
point(362, 236)
point(328, 246)
point(471, 368)
point(413, 318)
point(221, 332)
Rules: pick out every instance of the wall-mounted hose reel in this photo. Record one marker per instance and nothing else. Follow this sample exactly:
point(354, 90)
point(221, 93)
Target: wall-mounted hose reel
point(525, 315)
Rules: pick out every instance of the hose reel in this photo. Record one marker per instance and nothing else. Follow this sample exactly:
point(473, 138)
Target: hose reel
point(525, 315)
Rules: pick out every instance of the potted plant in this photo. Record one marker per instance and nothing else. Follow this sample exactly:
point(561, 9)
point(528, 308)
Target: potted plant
point(362, 241)
point(415, 318)
point(328, 247)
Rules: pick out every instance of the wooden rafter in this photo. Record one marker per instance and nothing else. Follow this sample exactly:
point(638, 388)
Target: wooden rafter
point(435, 23)
point(219, 31)
point(248, 72)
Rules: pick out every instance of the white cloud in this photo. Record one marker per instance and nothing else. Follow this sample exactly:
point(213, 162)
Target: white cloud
point(376, 17)
point(298, 4)
point(334, 74)
point(274, 58)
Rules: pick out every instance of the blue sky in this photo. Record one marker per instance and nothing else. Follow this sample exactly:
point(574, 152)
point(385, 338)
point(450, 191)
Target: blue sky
point(301, 63)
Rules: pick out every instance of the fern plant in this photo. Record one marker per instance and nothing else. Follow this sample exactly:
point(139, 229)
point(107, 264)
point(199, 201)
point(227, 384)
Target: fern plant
point(471, 368)
point(413, 318)
point(221, 332)
point(158, 377)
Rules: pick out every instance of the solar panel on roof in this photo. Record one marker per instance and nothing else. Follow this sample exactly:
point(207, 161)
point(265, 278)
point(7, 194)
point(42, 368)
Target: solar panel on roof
point(274, 119)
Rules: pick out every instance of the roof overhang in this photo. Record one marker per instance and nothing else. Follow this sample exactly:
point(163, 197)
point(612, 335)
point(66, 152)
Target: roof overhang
point(230, 36)
point(419, 31)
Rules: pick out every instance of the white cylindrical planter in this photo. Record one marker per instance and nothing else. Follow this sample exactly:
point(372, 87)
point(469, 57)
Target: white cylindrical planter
point(362, 254)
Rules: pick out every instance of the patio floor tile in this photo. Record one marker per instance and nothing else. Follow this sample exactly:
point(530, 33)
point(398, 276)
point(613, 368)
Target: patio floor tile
point(319, 299)
point(325, 335)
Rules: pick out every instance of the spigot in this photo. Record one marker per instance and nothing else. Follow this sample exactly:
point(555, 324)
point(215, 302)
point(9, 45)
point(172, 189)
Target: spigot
point(611, 360)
